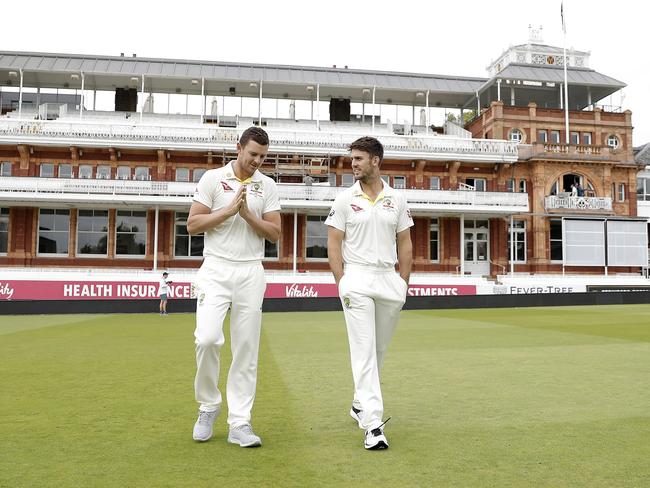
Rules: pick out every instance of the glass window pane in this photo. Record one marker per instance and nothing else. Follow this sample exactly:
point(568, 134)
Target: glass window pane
point(141, 173)
point(197, 173)
point(65, 171)
point(434, 183)
point(316, 238)
point(123, 173)
point(103, 172)
point(85, 171)
point(47, 170)
point(182, 245)
point(196, 246)
point(182, 174)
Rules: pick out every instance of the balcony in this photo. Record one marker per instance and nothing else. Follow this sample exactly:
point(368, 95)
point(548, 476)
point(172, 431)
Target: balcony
point(579, 204)
point(563, 152)
point(51, 192)
point(305, 140)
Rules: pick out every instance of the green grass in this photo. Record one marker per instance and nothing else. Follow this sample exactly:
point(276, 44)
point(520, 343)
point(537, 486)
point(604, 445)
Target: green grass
point(547, 397)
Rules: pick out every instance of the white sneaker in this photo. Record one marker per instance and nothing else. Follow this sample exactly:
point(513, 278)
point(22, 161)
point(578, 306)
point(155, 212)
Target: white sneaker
point(203, 426)
point(355, 413)
point(375, 439)
point(244, 436)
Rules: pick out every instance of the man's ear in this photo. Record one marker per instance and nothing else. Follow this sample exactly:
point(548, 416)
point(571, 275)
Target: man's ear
point(238, 148)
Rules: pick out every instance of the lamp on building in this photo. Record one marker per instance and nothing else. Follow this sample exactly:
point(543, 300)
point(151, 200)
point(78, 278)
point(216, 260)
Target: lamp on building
point(135, 78)
point(310, 88)
point(252, 84)
point(195, 82)
point(231, 90)
point(13, 73)
point(419, 94)
point(74, 76)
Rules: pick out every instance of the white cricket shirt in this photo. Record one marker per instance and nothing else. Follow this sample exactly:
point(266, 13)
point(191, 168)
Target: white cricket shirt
point(370, 227)
point(234, 239)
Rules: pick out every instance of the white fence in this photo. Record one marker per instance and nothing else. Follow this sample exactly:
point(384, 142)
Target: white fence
point(578, 203)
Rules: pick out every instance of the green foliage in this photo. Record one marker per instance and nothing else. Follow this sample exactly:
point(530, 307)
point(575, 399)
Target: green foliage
point(553, 397)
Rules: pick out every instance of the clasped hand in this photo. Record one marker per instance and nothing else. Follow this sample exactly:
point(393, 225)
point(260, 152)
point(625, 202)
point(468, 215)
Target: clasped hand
point(239, 205)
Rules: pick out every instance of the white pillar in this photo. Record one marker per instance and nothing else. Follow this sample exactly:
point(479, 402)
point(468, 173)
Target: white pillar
point(203, 98)
point(259, 106)
point(589, 97)
point(38, 97)
point(561, 96)
point(462, 244)
point(512, 247)
point(142, 96)
point(155, 241)
point(20, 96)
point(512, 95)
point(94, 100)
point(427, 111)
point(318, 106)
point(499, 89)
point(373, 108)
point(83, 98)
point(295, 239)
point(478, 103)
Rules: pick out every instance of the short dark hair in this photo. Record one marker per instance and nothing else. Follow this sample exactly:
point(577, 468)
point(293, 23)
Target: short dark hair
point(256, 134)
point(370, 145)
point(165, 273)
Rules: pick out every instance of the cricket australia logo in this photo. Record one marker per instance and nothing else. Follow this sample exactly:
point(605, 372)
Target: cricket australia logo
point(346, 302)
point(388, 204)
point(255, 189)
point(226, 186)
point(356, 208)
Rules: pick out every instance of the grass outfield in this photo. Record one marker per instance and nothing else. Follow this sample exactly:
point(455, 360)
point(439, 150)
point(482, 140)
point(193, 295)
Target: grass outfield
point(534, 397)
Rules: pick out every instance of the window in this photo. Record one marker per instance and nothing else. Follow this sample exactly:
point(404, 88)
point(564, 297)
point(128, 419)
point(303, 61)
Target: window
point(270, 249)
point(47, 170)
point(510, 185)
point(542, 136)
point(123, 173)
point(516, 135)
point(575, 138)
point(182, 174)
point(479, 184)
point(347, 179)
point(186, 245)
point(556, 239)
point(522, 186)
point(399, 182)
point(385, 179)
point(613, 142)
point(316, 239)
point(65, 171)
point(53, 231)
point(518, 232)
point(586, 138)
point(85, 171)
point(433, 239)
point(197, 173)
point(130, 233)
point(621, 192)
point(331, 179)
point(643, 189)
point(4, 230)
point(555, 137)
point(434, 183)
point(103, 172)
point(92, 232)
point(142, 173)
point(5, 168)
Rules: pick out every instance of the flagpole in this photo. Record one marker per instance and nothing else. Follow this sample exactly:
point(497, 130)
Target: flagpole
point(566, 83)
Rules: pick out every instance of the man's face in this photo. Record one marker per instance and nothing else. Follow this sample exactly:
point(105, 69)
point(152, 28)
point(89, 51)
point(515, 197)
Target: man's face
point(364, 166)
point(251, 156)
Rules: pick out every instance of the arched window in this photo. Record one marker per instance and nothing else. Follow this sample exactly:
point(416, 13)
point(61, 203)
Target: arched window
point(516, 135)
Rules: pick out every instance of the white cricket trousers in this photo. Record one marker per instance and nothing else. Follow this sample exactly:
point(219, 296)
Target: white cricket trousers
point(372, 299)
point(239, 286)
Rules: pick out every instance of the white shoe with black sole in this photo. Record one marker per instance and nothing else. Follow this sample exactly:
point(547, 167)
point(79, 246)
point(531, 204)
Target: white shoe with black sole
point(355, 413)
point(375, 440)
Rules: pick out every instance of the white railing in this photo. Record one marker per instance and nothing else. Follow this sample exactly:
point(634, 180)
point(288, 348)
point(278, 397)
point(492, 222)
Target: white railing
point(578, 203)
point(307, 141)
point(53, 189)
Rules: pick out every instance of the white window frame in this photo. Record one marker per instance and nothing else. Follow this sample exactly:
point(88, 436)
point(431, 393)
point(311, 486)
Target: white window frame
point(115, 233)
point(347, 176)
point(434, 182)
point(180, 220)
point(85, 168)
point(108, 230)
point(38, 235)
point(516, 135)
point(4, 215)
point(140, 169)
point(613, 141)
point(520, 236)
point(197, 171)
point(322, 219)
point(46, 165)
point(100, 168)
point(542, 136)
point(182, 170)
point(434, 226)
point(574, 137)
point(551, 240)
point(620, 194)
point(510, 185)
point(555, 137)
point(522, 186)
point(586, 138)
point(122, 169)
point(65, 166)
point(401, 178)
point(5, 168)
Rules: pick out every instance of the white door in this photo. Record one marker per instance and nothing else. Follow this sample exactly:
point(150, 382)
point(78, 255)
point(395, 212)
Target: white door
point(477, 247)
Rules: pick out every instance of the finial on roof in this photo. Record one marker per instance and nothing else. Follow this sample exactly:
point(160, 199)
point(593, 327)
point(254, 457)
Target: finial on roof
point(535, 34)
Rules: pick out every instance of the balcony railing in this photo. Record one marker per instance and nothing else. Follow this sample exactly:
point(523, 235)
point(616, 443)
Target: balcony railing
point(578, 203)
point(564, 151)
point(292, 196)
point(305, 141)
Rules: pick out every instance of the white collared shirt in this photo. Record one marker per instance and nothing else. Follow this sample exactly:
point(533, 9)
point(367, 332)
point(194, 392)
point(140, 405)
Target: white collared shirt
point(234, 239)
point(370, 228)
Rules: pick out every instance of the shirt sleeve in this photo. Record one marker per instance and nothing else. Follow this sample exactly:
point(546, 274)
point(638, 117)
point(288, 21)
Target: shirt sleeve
point(204, 193)
point(337, 216)
point(271, 200)
point(404, 220)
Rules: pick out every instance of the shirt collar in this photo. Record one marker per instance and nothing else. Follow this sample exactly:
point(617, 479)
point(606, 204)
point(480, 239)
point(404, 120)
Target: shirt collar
point(230, 175)
point(385, 192)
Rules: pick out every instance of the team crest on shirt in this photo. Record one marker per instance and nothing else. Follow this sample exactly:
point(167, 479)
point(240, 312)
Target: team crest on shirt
point(388, 204)
point(346, 302)
point(331, 214)
point(226, 186)
point(356, 208)
point(254, 189)
point(408, 214)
